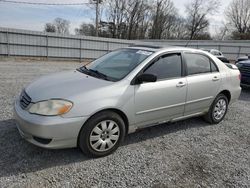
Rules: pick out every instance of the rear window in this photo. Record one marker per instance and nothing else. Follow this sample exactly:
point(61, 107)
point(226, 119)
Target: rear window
point(198, 64)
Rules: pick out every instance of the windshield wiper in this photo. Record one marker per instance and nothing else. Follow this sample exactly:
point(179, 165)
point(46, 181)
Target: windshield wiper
point(92, 72)
point(104, 76)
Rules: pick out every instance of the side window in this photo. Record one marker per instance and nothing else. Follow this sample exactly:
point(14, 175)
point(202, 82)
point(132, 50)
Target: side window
point(167, 66)
point(197, 63)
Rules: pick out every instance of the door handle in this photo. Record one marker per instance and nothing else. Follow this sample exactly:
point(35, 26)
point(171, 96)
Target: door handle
point(180, 84)
point(215, 78)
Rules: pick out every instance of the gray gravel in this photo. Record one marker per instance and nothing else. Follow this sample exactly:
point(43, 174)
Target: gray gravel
point(189, 153)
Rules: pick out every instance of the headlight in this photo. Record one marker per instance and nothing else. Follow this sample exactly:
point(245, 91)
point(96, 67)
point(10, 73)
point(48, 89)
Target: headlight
point(51, 107)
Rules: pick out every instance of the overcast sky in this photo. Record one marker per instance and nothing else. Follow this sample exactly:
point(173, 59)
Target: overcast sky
point(33, 17)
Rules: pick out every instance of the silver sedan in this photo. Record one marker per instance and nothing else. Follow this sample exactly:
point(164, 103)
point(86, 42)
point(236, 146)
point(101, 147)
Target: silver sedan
point(95, 106)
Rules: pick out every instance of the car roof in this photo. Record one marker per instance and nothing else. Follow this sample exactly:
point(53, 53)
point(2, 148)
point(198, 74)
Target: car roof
point(154, 48)
point(146, 47)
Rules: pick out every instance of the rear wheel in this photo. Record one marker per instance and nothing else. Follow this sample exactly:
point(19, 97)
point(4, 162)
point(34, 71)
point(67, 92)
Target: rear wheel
point(102, 134)
point(217, 110)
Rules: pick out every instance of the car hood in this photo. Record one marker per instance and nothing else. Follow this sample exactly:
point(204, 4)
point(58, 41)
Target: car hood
point(63, 85)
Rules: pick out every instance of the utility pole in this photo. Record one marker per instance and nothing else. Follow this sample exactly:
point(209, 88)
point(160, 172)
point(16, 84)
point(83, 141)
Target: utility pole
point(97, 16)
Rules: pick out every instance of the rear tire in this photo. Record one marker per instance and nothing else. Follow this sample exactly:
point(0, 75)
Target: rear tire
point(217, 110)
point(101, 134)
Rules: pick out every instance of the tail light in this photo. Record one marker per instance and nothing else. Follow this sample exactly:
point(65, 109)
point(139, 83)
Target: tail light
point(239, 76)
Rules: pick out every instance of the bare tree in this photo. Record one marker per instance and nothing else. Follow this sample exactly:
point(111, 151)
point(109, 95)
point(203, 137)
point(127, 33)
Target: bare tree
point(238, 16)
point(135, 16)
point(178, 30)
point(144, 24)
point(49, 27)
point(62, 25)
point(163, 16)
point(86, 29)
point(221, 32)
point(59, 25)
point(129, 18)
point(156, 19)
point(197, 12)
point(116, 13)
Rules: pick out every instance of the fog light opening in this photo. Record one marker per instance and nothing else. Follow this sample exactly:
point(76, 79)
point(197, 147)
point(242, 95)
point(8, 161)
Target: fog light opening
point(42, 140)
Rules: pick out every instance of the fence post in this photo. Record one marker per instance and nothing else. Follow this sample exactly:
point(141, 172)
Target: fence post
point(47, 46)
point(108, 46)
point(239, 51)
point(8, 43)
point(80, 50)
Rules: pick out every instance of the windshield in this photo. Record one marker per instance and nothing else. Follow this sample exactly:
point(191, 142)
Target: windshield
point(117, 64)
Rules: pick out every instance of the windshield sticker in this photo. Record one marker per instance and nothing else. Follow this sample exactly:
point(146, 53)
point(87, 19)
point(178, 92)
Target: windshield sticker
point(143, 52)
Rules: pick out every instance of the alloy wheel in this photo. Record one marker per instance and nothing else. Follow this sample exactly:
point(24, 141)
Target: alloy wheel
point(220, 109)
point(104, 135)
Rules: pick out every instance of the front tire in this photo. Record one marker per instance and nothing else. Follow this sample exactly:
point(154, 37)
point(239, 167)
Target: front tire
point(217, 110)
point(102, 134)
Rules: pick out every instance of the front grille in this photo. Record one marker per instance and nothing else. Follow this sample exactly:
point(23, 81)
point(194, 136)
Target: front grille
point(245, 69)
point(25, 100)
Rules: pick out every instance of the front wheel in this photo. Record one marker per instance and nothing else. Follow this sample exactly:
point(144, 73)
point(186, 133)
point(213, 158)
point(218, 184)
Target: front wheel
point(102, 134)
point(217, 110)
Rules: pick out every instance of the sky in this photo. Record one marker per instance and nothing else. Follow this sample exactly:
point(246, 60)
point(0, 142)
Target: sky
point(33, 17)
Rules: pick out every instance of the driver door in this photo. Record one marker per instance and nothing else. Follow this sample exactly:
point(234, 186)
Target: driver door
point(164, 99)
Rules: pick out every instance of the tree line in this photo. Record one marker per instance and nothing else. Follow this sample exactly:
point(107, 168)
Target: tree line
point(160, 19)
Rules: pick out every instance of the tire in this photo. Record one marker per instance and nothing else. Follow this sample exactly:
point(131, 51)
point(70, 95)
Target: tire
point(221, 103)
point(101, 134)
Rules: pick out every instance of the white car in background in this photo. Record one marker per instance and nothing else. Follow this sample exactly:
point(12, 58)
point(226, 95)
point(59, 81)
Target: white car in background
point(217, 54)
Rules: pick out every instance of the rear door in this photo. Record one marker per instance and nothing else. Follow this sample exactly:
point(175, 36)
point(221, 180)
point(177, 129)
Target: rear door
point(203, 79)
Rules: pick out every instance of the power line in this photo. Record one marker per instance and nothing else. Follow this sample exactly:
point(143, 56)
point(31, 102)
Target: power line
point(40, 3)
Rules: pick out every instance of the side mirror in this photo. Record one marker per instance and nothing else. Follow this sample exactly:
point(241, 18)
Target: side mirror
point(145, 78)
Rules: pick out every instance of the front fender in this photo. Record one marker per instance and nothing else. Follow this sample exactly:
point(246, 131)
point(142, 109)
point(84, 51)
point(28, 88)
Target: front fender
point(120, 98)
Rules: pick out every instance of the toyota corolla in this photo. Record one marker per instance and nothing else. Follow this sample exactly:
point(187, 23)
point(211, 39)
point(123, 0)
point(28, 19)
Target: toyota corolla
point(95, 106)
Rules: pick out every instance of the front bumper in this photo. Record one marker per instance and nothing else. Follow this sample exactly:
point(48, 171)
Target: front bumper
point(61, 132)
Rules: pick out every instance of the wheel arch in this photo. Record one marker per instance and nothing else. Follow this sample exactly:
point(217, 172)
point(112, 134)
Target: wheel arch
point(227, 94)
point(120, 113)
point(117, 111)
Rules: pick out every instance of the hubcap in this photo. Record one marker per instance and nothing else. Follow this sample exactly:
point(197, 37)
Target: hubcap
point(220, 109)
point(104, 135)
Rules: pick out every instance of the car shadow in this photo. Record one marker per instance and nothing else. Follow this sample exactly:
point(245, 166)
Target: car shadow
point(18, 156)
point(164, 129)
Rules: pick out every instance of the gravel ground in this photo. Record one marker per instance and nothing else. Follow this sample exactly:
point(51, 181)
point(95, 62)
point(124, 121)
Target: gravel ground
point(189, 153)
